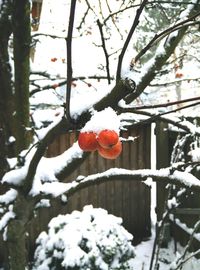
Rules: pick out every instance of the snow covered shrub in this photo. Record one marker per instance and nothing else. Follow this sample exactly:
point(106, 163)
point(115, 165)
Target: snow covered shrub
point(87, 240)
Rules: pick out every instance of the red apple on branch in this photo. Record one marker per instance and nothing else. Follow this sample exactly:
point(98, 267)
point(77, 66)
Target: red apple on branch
point(107, 138)
point(88, 141)
point(112, 152)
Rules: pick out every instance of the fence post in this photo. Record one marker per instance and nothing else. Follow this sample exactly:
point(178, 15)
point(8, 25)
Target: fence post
point(162, 160)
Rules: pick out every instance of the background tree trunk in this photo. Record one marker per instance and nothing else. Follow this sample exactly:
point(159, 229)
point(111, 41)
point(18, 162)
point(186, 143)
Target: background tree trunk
point(15, 102)
point(16, 233)
point(6, 91)
point(21, 43)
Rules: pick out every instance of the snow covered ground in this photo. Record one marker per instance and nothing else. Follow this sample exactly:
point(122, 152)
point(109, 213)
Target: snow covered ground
point(166, 258)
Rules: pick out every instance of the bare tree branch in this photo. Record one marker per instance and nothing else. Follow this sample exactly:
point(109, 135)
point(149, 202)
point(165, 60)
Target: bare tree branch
point(174, 82)
point(181, 260)
point(119, 11)
point(160, 58)
point(130, 34)
point(64, 82)
point(69, 57)
point(105, 50)
point(65, 125)
point(59, 128)
point(166, 104)
point(83, 19)
point(154, 117)
point(181, 179)
point(166, 32)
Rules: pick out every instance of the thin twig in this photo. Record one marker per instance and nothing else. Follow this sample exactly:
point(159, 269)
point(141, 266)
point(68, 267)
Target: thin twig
point(180, 261)
point(83, 19)
point(181, 108)
point(69, 57)
point(105, 50)
point(162, 34)
point(174, 82)
point(46, 35)
point(64, 82)
point(166, 104)
point(130, 34)
point(154, 117)
point(193, 254)
point(119, 11)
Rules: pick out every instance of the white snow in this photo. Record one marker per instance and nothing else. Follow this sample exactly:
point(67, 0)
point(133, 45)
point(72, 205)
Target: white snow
point(8, 197)
point(105, 119)
point(5, 219)
point(87, 60)
point(178, 177)
point(195, 154)
point(83, 238)
point(17, 175)
point(65, 241)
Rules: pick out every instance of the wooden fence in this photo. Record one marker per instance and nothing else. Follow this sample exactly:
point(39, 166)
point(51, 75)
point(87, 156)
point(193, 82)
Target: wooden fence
point(188, 212)
point(127, 199)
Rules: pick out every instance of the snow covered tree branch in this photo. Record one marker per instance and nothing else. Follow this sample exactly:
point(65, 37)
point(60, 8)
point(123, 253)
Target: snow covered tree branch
point(27, 175)
point(166, 175)
point(163, 52)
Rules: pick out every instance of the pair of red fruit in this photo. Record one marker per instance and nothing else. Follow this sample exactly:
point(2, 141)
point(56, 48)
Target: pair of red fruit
point(106, 142)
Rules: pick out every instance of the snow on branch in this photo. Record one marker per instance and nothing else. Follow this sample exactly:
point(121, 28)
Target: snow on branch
point(23, 177)
point(166, 32)
point(185, 125)
point(166, 175)
point(193, 232)
point(51, 170)
point(6, 218)
point(8, 197)
point(163, 52)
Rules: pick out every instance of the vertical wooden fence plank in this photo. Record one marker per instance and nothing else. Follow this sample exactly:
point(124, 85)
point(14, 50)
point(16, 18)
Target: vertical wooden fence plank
point(162, 161)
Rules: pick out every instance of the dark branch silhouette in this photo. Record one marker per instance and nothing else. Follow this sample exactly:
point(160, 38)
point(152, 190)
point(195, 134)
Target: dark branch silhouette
point(105, 50)
point(130, 34)
point(69, 57)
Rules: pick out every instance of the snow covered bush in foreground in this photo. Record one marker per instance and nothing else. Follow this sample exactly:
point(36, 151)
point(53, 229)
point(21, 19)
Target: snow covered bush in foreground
point(90, 240)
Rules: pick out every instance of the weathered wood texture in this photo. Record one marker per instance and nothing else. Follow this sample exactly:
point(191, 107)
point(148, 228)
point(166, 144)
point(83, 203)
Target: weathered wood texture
point(126, 199)
point(129, 200)
point(162, 161)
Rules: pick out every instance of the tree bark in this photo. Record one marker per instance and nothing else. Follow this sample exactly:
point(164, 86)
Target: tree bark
point(15, 118)
point(6, 91)
point(16, 233)
point(21, 42)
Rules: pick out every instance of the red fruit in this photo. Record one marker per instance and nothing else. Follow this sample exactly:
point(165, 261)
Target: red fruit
point(88, 141)
point(110, 153)
point(179, 75)
point(107, 138)
point(55, 85)
point(54, 59)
